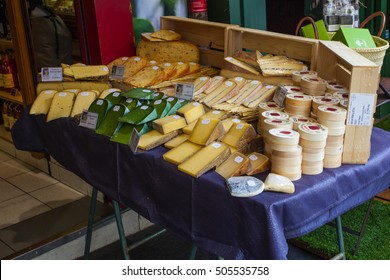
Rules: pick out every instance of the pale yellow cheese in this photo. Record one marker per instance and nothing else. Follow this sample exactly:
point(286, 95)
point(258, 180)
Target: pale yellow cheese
point(61, 105)
point(265, 94)
point(200, 84)
point(242, 65)
point(89, 72)
point(258, 163)
point(206, 130)
point(220, 92)
point(248, 90)
point(169, 123)
point(82, 85)
point(108, 91)
point(237, 164)
point(153, 139)
point(189, 128)
point(176, 141)
point(74, 90)
point(279, 183)
point(239, 135)
point(228, 123)
point(191, 111)
point(181, 153)
point(215, 82)
point(82, 102)
point(205, 159)
point(42, 103)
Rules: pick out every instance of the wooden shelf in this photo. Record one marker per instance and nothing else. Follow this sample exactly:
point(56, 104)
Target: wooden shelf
point(6, 96)
point(6, 44)
point(4, 134)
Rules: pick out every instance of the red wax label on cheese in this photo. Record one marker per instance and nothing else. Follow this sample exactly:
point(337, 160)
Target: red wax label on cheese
point(314, 127)
point(275, 114)
point(331, 109)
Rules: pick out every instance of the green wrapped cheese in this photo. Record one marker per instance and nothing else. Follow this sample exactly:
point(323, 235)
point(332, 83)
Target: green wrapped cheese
point(110, 122)
point(130, 103)
point(140, 115)
point(123, 134)
point(158, 95)
point(114, 97)
point(162, 107)
point(139, 93)
point(100, 106)
point(175, 104)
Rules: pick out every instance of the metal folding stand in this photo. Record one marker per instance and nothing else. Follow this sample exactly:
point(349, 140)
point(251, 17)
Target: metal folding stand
point(340, 240)
point(384, 90)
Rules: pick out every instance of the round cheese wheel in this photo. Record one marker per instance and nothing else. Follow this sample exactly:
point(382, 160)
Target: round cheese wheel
point(331, 113)
point(313, 131)
point(285, 136)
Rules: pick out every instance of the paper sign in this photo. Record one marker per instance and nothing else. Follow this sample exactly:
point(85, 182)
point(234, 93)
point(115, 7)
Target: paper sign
point(89, 119)
point(185, 91)
point(361, 109)
point(134, 140)
point(117, 72)
point(51, 74)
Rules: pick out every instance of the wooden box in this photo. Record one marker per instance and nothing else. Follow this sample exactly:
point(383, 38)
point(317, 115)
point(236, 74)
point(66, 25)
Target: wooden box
point(335, 61)
point(210, 37)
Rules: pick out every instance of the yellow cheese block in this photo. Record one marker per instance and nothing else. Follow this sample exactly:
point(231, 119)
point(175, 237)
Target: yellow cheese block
point(153, 139)
point(61, 105)
point(236, 165)
point(206, 130)
point(42, 103)
point(181, 153)
point(239, 135)
point(216, 114)
point(74, 90)
point(189, 128)
point(108, 91)
point(63, 86)
point(258, 163)
point(89, 72)
point(82, 102)
point(169, 123)
point(228, 123)
point(176, 141)
point(205, 159)
point(191, 111)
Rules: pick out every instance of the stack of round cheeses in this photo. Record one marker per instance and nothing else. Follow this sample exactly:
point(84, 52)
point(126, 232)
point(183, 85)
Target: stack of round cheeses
point(296, 120)
point(269, 106)
point(298, 104)
point(334, 119)
point(297, 76)
point(272, 115)
point(286, 155)
point(333, 87)
point(323, 100)
point(313, 141)
point(313, 86)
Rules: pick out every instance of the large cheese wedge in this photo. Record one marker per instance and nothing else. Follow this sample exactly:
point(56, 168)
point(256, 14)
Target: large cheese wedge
point(205, 159)
point(153, 139)
point(191, 111)
point(162, 107)
point(61, 105)
point(63, 86)
point(216, 114)
point(182, 152)
point(181, 69)
point(110, 122)
point(108, 91)
point(100, 107)
point(236, 164)
point(242, 66)
point(220, 92)
point(42, 103)
point(279, 183)
point(132, 65)
point(265, 94)
point(229, 122)
point(166, 35)
point(130, 103)
point(258, 163)
point(90, 72)
point(169, 123)
point(147, 76)
point(168, 69)
point(247, 57)
point(194, 68)
point(140, 115)
point(239, 135)
point(176, 141)
point(206, 130)
point(244, 186)
point(240, 82)
point(82, 102)
point(125, 131)
point(175, 104)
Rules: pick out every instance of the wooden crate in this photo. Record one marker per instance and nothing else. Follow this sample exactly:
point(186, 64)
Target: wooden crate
point(342, 64)
point(210, 37)
point(248, 39)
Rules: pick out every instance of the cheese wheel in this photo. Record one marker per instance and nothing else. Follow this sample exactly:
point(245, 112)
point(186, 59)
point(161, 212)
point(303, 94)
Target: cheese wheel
point(311, 169)
point(331, 113)
point(274, 114)
point(269, 106)
point(313, 131)
point(296, 120)
point(297, 76)
point(285, 136)
point(312, 144)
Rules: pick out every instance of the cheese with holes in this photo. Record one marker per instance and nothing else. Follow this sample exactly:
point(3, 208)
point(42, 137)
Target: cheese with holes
point(239, 135)
point(42, 103)
point(82, 102)
point(191, 111)
point(279, 183)
point(236, 164)
point(90, 72)
point(205, 159)
point(169, 124)
point(182, 152)
point(258, 163)
point(176, 141)
point(206, 130)
point(61, 105)
point(153, 139)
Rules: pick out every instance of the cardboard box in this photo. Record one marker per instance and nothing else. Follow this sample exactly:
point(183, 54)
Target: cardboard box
point(355, 38)
point(308, 31)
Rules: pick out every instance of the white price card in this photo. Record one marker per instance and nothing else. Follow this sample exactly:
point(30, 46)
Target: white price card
point(361, 109)
point(117, 72)
point(89, 119)
point(51, 74)
point(134, 140)
point(185, 91)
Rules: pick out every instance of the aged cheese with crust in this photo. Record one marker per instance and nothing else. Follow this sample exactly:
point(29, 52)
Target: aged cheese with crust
point(220, 92)
point(169, 123)
point(182, 152)
point(236, 164)
point(176, 141)
point(239, 135)
point(206, 130)
point(258, 163)
point(153, 139)
point(191, 111)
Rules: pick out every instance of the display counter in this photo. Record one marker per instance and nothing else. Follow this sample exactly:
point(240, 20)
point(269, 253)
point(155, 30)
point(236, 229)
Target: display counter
point(202, 210)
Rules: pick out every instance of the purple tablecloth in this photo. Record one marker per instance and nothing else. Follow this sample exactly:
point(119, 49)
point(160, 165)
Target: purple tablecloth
point(202, 209)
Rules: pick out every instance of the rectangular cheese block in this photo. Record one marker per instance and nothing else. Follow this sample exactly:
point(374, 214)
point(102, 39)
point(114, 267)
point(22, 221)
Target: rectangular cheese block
point(153, 139)
point(229, 122)
point(236, 164)
point(206, 130)
point(61, 105)
point(189, 128)
point(181, 153)
point(42, 103)
point(221, 91)
point(205, 159)
point(239, 135)
point(82, 102)
point(191, 111)
point(265, 94)
point(258, 163)
point(245, 92)
point(216, 114)
point(169, 124)
point(89, 72)
point(176, 141)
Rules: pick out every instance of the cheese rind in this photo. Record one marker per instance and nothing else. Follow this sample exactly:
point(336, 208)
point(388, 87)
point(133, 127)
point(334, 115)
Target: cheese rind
point(140, 115)
point(205, 159)
point(169, 124)
point(206, 130)
point(182, 152)
point(235, 165)
point(153, 139)
point(110, 122)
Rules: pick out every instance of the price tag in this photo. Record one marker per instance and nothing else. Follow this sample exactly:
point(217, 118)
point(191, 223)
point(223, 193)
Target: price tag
point(185, 91)
point(134, 140)
point(51, 74)
point(89, 119)
point(361, 109)
point(118, 72)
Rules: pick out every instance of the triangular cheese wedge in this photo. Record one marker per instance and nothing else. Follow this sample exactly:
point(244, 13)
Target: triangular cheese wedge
point(235, 165)
point(258, 163)
point(153, 139)
point(279, 183)
point(206, 130)
point(82, 102)
point(176, 141)
point(169, 123)
point(42, 103)
point(239, 135)
point(182, 152)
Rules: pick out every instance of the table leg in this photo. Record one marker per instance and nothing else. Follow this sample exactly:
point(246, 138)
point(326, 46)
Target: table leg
point(340, 239)
point(121, 232)
point(91, 216)
point(193, 252)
